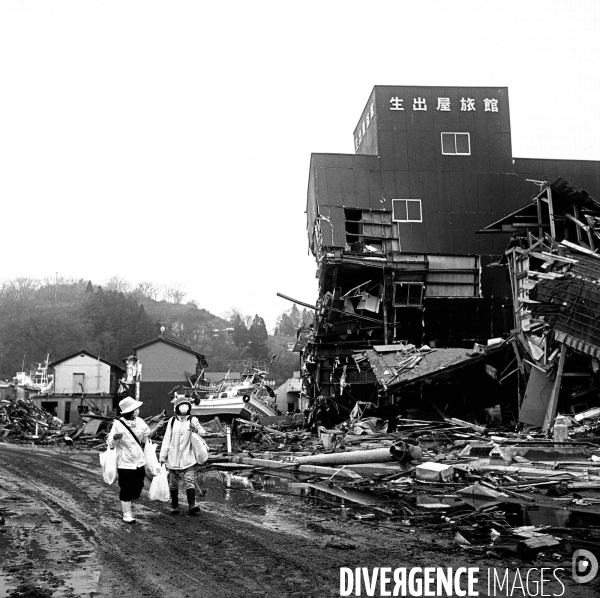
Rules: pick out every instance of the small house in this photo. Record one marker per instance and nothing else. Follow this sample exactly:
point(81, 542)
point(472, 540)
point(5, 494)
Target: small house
point(83, 383)
point(167, 363)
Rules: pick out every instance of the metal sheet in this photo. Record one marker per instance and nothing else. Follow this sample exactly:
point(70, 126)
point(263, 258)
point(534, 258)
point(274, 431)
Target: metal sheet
point(428, 150)
point(375, 190)
point(321, 187)
point(334, 187)
point(400, 151)
point(537, 398)
point(413, 139)
point(361, 181)
point(348, 187)
point(457, 193)
point(387, 364)
point(338, 221)
point(386, 149)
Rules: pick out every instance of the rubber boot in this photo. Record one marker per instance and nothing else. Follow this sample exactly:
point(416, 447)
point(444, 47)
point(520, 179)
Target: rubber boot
point(127, 515)
point(174, 501)
point(191, 497)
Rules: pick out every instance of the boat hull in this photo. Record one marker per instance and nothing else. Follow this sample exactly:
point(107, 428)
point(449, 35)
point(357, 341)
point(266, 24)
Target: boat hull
point(231, 407)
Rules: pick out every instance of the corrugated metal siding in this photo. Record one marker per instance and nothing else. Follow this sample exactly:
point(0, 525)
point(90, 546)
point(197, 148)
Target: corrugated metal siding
point(96, 375)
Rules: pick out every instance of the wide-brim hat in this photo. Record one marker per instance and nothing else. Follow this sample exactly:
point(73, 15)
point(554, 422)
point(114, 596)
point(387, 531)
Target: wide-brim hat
point(128, 404)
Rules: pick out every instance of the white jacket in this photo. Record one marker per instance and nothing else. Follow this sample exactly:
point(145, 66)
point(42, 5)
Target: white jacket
point(129, 453)
point(176, 447)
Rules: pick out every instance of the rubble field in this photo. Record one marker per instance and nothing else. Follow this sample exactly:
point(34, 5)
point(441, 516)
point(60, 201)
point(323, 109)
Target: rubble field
point(285, 507)
point(62, 535)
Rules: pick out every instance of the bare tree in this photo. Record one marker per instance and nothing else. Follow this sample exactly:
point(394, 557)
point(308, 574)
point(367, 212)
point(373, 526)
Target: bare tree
point(148, 289)
point(116, 283)
point(20, 289)
point(178, 295)
point(173, 294)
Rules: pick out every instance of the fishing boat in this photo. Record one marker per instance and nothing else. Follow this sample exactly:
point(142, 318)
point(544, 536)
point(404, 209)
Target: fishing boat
point(248, 397)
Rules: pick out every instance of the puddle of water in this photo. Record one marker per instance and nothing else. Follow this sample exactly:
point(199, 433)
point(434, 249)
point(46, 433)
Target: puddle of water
point(518, 515)
point(254, 490)
point(224, 487)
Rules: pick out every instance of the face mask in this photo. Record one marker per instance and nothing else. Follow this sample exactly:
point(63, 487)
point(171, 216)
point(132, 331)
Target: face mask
point(183, 409)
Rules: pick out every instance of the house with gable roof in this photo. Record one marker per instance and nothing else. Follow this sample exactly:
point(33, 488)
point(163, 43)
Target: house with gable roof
point(166, 364)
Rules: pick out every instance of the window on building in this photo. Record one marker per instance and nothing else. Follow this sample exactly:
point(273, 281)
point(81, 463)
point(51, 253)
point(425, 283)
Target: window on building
point(408, 294)
point(456, 144)
point(406, 210)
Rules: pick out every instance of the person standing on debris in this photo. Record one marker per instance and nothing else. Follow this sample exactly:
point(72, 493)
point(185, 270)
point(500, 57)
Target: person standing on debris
point(128, 436)
point(176, 451)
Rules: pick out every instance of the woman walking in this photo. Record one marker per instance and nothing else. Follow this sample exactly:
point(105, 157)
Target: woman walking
point(128, 436)
point(176, 451)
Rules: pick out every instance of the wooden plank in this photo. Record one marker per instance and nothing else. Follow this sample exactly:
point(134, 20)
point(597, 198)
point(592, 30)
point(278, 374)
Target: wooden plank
point(577, 221)
point(539, 215)
point(294, 467)
point(578, 248)
point(553, 403)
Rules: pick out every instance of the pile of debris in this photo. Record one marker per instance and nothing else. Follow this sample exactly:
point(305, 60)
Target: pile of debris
point(515, 492)
point(21, 418)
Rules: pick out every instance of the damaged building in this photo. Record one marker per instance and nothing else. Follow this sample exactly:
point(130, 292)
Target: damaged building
point(402, 273)
point(554, 267)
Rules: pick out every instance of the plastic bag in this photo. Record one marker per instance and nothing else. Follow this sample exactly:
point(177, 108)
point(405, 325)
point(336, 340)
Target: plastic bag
point(199, 448)
point(159, 488)
point(152, 466)
point(108, 462)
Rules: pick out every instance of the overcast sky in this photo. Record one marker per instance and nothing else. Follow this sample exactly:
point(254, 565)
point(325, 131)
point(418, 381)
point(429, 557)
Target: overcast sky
point(170, 141)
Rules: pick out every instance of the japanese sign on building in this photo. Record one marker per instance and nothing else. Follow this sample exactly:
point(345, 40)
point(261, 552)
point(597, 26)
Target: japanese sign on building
point(364, 125)
point(419, 104)
point(444, 104)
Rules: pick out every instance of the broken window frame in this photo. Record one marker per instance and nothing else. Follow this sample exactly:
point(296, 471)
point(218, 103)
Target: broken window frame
point(368, 227)
point(407, 303)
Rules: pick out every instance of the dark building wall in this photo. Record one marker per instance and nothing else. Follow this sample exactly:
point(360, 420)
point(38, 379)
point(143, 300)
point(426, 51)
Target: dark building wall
point(399, 156)
point(163, 362)
point(156, 397)
point(581, 173)
point(365, 133)
point(337, 181)
point(458, 192)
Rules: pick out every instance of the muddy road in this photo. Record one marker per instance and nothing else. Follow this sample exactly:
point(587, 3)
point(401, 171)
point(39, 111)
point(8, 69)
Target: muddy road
point(62, 536)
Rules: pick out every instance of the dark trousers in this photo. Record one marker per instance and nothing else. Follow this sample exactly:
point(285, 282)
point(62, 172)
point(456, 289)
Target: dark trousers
point(131, 483)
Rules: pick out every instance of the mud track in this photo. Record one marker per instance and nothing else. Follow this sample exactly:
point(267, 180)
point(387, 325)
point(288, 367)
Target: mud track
point(63, 534)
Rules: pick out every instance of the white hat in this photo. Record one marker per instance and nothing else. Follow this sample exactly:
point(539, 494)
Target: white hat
point(128, 404)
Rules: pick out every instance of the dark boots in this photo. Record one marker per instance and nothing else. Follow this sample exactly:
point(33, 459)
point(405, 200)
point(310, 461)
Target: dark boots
point(191, 498)
point(174, 502)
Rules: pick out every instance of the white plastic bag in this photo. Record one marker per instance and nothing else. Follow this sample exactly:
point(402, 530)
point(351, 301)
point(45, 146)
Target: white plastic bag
point(199, 448)
point(159, 488)
point(108, 462)
point(152, 466)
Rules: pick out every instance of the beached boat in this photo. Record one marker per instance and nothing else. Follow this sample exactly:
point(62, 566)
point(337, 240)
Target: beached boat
point(245, 398)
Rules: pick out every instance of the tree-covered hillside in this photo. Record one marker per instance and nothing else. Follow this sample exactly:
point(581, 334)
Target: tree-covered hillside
point(59, 317)
point(38, 318)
